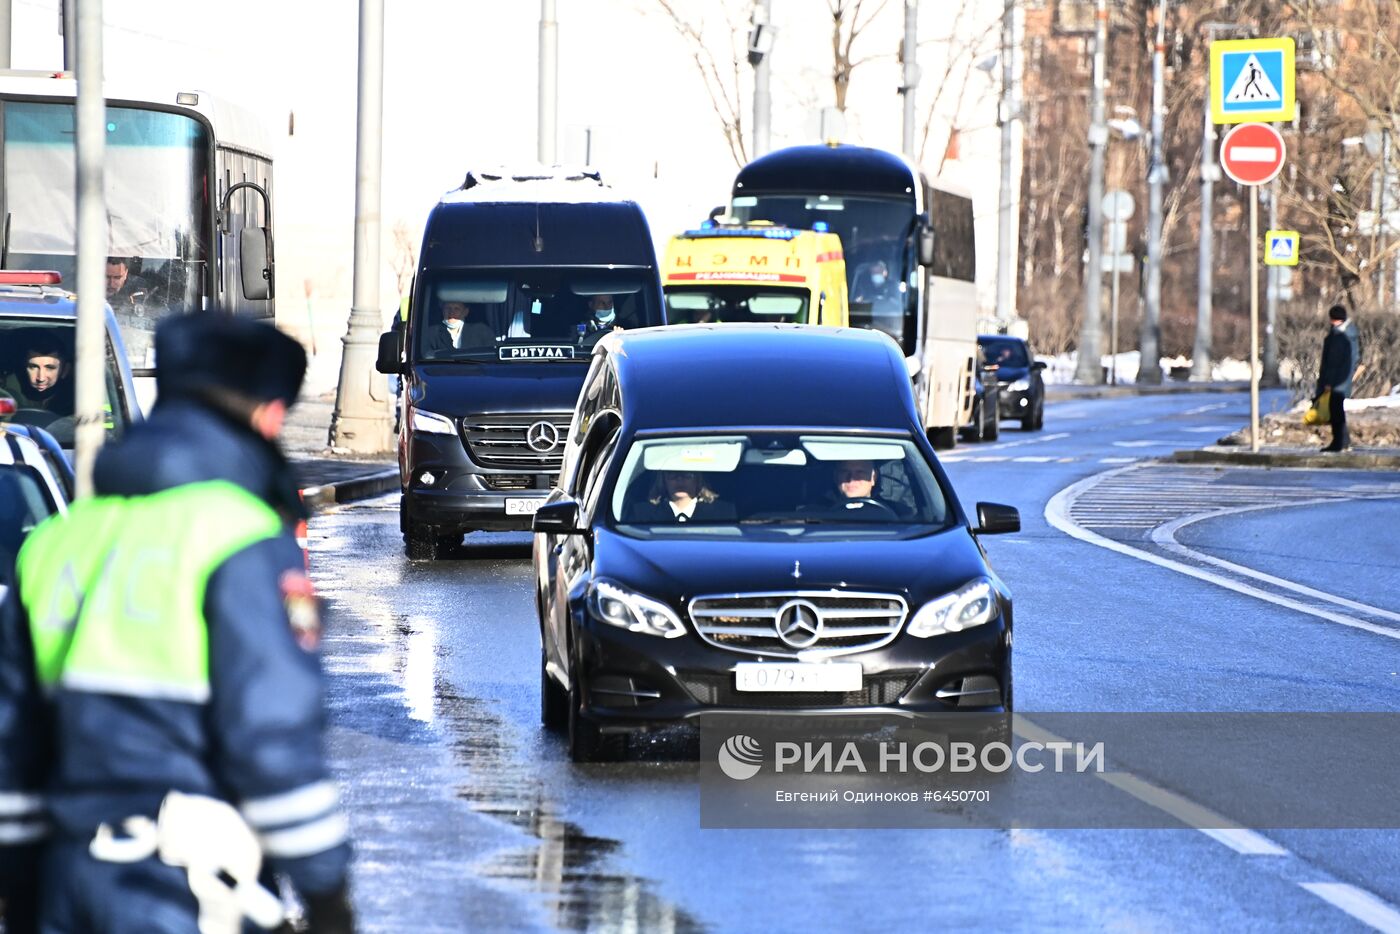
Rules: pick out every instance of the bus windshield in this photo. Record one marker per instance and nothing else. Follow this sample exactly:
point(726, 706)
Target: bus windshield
point(528, 314)
point(155, 169)
point(874, 240)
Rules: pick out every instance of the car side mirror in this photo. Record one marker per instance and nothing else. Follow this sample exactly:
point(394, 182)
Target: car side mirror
point(557, 518)
point(996, 519)
point(389, 360)
point(1038, 365)
point(255, 255)
point(925, 242)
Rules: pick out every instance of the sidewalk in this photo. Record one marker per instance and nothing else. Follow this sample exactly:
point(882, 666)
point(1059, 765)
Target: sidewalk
point(1061, 392)
point(326, 478)
point(1292, 456)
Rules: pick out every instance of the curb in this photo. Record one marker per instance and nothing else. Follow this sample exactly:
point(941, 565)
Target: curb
point(1063, 393)
point(1311, 461)
point(317, 498)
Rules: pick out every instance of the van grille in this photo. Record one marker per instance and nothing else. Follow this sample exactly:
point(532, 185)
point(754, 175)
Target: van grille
point(748, 623)
point(501, 441)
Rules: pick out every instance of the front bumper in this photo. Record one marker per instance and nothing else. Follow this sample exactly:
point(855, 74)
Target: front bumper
point(1017, 403)
point(446, 490)
point(634, 681)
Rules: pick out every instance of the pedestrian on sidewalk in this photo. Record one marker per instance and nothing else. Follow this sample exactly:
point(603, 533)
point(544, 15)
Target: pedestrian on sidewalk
point(161, 708)
point(1335, 374)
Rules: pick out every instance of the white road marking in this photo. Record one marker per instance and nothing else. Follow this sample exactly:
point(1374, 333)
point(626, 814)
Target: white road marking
point(1057, 514)
point(1024, 441)
point(1205, 408)
point(1359, 903)
point(1032, 459)
point(1138, 444)
point(1166, 537)
point(1117, 460)
point(1211, 429)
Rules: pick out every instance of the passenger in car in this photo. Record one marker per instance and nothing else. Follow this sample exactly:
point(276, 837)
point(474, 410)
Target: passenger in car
point(683, 496)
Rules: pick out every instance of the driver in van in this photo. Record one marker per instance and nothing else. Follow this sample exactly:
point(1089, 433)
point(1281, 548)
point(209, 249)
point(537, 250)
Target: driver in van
point(456, 331)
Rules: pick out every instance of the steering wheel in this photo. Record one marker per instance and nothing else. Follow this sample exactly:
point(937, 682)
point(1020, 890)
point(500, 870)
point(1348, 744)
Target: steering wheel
point(868, 505)
point(40, 418)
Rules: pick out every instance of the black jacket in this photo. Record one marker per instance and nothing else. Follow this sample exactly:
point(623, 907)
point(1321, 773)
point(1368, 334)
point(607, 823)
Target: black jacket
point(1337, 364)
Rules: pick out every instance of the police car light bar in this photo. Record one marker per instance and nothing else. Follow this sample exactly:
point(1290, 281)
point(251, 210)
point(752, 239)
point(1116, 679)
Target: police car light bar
point(29, 277)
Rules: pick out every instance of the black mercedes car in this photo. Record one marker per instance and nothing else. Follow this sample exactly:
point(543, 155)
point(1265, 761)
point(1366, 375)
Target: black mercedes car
point(750, 518)
point(1017, 371)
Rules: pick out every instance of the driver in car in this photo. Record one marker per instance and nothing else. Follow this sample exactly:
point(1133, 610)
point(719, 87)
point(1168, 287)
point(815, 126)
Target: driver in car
point(855, 490)
point(44, 382)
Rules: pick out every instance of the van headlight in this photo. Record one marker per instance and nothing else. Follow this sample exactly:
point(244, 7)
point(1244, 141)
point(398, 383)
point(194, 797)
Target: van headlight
point(432, 423)
point(628, 610)
point(970, 605)
point(1021, 385)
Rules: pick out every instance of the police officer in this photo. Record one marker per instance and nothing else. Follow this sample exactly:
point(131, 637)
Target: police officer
point(160, 669)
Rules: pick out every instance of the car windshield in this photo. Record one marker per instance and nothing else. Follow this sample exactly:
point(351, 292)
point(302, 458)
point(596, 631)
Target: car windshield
point(527, 314)
point(777, 478)
point(1005, 352)
point(729, 303)
point(37, 381)
point(24, 502)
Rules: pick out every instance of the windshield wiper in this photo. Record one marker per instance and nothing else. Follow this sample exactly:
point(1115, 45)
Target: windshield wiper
point(785, 520)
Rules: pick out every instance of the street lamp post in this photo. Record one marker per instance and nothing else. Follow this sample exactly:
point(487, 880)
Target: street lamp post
point(1149, 338)
point(1006, 119)
point(361, 420)
point(760, 49)
point(1089, 369)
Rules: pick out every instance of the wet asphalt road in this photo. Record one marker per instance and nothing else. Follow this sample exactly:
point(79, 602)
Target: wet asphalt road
point(468, 815)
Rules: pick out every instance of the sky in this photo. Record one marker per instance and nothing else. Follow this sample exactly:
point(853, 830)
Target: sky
point(460, 90)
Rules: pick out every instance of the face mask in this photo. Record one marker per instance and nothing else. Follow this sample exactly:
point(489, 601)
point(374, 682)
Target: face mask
point(453, 324)
point(605, 315)
point(877, 280)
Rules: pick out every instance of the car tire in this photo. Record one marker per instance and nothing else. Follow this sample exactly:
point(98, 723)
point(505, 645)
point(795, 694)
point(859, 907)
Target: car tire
point(1035, 422)
point(977, 431)
point(419, 542)
point(943, 439)
point(554, 700)
point(993, 431)
point(587, 743)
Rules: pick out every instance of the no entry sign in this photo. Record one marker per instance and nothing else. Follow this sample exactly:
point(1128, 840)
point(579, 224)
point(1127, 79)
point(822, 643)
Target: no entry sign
point(1252, 153)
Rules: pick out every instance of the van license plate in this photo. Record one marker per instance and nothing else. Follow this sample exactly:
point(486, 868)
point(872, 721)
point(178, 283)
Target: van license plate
point(519, 506)
point(797, 676)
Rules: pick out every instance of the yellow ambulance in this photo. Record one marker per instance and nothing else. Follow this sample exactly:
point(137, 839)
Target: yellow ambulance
point(755, 272)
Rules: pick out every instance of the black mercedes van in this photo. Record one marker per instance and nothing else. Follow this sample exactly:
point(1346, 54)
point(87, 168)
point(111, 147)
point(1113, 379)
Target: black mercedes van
point(519, 276)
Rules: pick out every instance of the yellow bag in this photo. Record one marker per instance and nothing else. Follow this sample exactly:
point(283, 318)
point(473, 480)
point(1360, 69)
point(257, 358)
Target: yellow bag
point(1320, 412)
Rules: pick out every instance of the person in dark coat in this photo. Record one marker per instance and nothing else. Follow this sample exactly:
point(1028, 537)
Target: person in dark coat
point(190, 680)
point(1335, 375)
point(682, 496)
point(456, 332)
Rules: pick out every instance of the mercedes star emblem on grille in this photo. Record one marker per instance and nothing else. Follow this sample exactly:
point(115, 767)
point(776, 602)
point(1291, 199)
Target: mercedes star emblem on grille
point(542, 437)
point(799, 624)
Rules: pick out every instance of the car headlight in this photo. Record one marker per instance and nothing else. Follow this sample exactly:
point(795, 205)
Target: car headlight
point(625, 609)
point(1021, 385)
point(970, 605)
point(432, 423)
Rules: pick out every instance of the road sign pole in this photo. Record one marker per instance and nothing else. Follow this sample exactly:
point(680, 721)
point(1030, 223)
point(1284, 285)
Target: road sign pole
point(1254, 317)
point(1113, 326)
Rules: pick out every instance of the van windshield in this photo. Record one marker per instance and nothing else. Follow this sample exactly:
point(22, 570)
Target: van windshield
point(778, 478)
point(518, 315)
point(704, 304)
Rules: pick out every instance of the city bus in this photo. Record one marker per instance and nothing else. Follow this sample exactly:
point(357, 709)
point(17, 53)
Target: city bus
point(188, 181)
point(910, 258)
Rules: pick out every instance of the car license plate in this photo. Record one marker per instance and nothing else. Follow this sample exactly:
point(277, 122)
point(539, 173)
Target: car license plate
point(797, 676)
point(519, 506)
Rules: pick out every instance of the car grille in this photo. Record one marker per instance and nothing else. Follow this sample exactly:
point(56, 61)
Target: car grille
point(500, 441)
point(509, 481)
point(748, 623)
point(717, 690)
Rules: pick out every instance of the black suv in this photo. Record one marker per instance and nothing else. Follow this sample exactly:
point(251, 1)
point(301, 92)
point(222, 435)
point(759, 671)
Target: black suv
point(520, 276)
point(735, 533)
point(1011, 363)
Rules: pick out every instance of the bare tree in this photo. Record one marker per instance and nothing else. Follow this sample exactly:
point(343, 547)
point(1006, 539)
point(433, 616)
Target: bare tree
point(404, 258)
point(721, 64)
point(847, 24)
point(960, 53)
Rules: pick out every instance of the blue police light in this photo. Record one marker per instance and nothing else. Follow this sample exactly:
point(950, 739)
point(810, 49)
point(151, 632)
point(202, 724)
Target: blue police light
point(820, 227)
point(707, 224)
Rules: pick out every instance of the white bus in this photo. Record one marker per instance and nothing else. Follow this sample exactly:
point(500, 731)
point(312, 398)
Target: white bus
point(890, 218)
point(188, 182)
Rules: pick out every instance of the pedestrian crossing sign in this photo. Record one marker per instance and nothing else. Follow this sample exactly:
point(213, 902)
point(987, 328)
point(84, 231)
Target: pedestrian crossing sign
point(1281, 248)
point(1251, 81)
